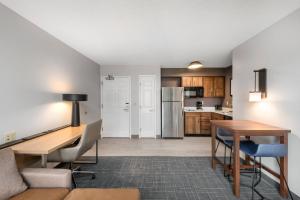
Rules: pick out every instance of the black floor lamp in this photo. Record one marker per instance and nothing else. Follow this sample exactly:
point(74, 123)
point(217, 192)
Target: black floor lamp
point(75, 98)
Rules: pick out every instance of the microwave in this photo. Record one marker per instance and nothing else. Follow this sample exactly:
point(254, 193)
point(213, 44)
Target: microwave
point(193, 92)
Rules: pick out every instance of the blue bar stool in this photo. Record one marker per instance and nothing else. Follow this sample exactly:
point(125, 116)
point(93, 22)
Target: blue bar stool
point(263, 150)
point(225, 137)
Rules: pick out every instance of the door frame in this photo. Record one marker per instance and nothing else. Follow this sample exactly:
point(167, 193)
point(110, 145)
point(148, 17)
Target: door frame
point(155, 104)
point(130, 99)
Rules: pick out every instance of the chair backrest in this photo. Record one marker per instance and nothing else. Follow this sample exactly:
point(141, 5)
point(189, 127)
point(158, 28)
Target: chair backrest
point(223, 133)
point(89, 137)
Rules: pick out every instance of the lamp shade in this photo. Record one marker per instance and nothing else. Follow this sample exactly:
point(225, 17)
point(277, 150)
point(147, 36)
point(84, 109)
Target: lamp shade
point(254, 96)
point(75, 97)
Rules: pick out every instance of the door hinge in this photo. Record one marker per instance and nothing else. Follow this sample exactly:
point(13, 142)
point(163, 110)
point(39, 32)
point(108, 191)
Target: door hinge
point(102, 106)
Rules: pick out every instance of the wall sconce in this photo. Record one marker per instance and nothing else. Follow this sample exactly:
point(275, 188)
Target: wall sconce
point(260, 86)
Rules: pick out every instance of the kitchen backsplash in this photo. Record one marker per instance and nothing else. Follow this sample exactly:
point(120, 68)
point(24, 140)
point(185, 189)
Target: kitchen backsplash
point(207, 102)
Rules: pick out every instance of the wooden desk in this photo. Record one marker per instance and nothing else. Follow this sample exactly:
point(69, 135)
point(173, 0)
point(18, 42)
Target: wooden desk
point(47, 144)
point(249, 128)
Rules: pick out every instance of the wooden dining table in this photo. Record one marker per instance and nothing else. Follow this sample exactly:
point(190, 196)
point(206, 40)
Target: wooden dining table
point(247, 128)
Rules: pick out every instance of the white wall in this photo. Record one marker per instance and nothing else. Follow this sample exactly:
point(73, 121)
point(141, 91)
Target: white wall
point(134, 72)
point(277, 49)
point(35, 68)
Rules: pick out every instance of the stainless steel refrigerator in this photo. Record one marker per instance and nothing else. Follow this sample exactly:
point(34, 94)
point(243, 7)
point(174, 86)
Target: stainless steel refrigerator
point(172, 112)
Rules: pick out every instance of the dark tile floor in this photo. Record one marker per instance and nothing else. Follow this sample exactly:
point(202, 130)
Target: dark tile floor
point(182, 178)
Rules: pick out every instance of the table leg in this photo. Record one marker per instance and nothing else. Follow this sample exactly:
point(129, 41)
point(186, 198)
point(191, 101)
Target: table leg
point(236, 165)
point(284, 169)
point(247, 157)
point(44, 160)
point(213, 146)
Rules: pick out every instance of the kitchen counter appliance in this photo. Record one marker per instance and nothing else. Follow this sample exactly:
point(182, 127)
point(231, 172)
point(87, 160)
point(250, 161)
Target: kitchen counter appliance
point(193, 92)
point(172, 112)
point(199, 104)
point(218, 107)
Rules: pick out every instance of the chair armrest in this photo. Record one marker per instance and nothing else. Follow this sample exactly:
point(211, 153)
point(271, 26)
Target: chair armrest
point(47, 178)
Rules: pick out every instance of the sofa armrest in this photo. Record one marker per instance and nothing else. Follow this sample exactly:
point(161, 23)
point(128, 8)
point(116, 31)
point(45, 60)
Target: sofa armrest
point(47, 178)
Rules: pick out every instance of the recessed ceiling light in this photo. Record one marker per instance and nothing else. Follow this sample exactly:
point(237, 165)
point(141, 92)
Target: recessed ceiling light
point(195, 65)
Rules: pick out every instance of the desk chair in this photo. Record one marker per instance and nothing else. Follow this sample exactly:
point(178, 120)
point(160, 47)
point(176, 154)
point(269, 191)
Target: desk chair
point(70, 154)
point(263, 150)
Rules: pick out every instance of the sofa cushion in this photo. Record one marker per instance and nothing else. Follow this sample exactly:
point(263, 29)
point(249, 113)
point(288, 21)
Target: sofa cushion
point(11, 181)
point(104, 194)
point(42, 194)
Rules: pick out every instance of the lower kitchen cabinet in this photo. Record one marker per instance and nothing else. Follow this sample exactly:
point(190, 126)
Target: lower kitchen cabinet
point(216, 116)
point(192, 124)
point(205, 122)
point(197, 123)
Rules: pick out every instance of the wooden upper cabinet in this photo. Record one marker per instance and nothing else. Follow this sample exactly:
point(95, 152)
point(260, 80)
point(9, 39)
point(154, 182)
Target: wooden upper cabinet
point(219, 86)
point(197, 81)
point(214, 86)
point(187, 81)
point(191, 81)
point(208, 85)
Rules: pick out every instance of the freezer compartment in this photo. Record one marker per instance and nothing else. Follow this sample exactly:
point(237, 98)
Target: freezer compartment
point(172, 120)
point(172, 93)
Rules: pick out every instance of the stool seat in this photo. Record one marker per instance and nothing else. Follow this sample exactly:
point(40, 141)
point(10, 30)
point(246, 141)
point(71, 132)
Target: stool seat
point(242, 142)
point(263, 150)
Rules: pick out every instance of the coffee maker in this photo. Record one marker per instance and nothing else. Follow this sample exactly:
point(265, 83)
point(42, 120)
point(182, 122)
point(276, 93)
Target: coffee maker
point(199, 104)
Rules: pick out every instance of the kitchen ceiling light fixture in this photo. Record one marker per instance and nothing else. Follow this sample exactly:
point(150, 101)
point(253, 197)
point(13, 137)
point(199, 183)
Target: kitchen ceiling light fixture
point(195, 65)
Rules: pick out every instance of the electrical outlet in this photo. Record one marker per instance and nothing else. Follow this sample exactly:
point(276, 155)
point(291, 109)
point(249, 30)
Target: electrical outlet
point(9, 137)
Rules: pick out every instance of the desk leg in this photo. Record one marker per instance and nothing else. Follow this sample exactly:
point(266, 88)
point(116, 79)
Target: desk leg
point(284, 169)
point(236, 165)
point(44, 160)
point(213, 147)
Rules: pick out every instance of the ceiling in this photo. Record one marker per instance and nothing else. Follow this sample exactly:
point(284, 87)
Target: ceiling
point(167, 33)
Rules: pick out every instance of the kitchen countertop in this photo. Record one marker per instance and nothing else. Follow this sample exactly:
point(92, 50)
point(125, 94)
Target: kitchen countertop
point(224, 111)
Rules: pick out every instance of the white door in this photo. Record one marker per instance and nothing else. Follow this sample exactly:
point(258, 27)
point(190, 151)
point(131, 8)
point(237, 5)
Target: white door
point(147, 105)
point(116, 107)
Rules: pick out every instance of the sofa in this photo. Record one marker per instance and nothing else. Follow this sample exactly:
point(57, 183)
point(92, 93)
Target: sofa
point(50, 184)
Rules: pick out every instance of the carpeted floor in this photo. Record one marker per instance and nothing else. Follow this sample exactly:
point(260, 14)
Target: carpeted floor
point(182, 178)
